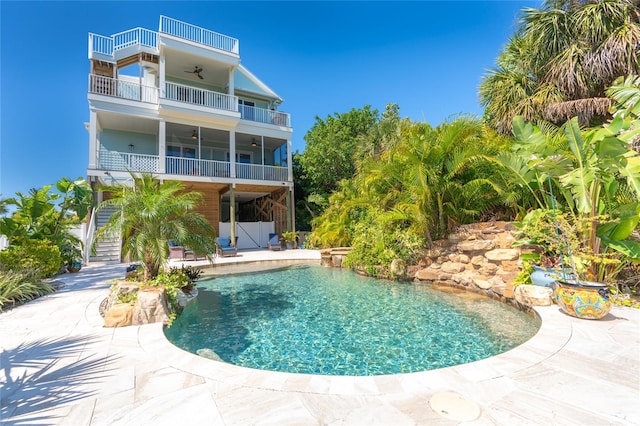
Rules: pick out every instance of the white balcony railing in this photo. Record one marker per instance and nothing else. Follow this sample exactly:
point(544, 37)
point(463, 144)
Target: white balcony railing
point(202, 97)
point(199, 35)
point(195, 167)
point(136, 36)
point(122, 89)
point(100, 44)
point(259, 172)
point(262, 115)
point(123, 161)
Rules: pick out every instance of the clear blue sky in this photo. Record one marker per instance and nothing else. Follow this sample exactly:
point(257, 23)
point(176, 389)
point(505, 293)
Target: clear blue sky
point(320, 57)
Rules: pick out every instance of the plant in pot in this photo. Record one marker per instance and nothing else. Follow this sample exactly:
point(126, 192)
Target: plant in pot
point(290, 238)
point(597, 178)
point(71, 256)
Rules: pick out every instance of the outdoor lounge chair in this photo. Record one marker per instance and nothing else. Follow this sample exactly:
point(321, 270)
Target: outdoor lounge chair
point(274, 242)
point(180, 252)
point(224, 247)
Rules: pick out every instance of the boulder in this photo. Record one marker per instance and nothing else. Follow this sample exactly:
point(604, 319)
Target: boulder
point(478, 260)
point(482, 282)
point(398, 268)
point(475, 245)
point(488, 269)
point(498, 255)
point(209, 354)
point(152, 306)
point(453, 267)
point(533, 295)
point(120, 315)
point(465, 278)
point(428, 274)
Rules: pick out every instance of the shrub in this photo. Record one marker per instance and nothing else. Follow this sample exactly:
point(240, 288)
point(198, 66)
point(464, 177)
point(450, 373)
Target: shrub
point(19, 287)
point(38, 257)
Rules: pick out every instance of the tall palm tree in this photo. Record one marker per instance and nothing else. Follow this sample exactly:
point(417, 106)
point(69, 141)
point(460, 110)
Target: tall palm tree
point(560, 62)
point(151, 213)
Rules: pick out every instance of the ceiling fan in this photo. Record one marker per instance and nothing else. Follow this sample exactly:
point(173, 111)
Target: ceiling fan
point(197, 72)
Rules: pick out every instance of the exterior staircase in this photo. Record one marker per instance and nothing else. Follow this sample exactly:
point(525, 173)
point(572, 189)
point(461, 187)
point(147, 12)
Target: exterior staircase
point(107, 249)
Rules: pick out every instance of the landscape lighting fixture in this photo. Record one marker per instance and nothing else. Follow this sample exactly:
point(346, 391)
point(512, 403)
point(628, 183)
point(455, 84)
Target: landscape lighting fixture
point(194, 136)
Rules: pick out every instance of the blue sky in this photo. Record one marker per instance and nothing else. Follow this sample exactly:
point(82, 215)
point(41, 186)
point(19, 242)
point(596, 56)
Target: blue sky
point(320, 57)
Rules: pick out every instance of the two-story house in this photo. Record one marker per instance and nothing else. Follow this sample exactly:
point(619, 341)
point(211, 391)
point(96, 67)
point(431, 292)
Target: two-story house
point(178, 103)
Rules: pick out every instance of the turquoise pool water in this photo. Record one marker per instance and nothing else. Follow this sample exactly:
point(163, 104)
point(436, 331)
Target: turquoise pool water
point(319, 320)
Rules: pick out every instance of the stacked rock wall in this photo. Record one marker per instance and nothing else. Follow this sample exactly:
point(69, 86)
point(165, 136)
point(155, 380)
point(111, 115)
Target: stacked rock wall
point(479, 257)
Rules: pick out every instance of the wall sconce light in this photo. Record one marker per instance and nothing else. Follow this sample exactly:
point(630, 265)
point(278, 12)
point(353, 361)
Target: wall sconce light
point(131, 147)
point(194, 136)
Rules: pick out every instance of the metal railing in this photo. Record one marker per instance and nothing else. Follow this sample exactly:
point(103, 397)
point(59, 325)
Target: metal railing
point(140, 36)
point(102, 85)
point(199, 35)
point(88, 241)
point(206, 98)
point(195, 167)
point(123, 161)
point(262, 115)
point(260, 172)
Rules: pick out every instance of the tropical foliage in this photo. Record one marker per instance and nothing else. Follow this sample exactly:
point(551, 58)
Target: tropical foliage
point(149, 214)
point(46, 216)
point(411, 192)
point(560, 61)
point(20, 287)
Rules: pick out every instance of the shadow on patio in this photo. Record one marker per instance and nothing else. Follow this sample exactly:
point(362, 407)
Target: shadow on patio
point(43, 374)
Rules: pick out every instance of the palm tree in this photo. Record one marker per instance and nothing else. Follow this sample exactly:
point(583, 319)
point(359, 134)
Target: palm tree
point(560, 62)
point(151, 213)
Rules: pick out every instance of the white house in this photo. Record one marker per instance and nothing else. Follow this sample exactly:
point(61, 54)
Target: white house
point(178, 103)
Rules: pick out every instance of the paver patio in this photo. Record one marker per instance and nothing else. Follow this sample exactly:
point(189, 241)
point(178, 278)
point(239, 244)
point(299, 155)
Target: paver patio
point(60, 366)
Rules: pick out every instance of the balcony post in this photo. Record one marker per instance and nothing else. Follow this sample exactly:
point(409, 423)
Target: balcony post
point(161, 83)
point(289, 161)
point(93, 139)
point(232, 153)
point(162, 146)
point(232, 88)
point(232, 214)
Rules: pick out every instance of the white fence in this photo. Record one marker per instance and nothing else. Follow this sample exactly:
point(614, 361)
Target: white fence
point(251, 235)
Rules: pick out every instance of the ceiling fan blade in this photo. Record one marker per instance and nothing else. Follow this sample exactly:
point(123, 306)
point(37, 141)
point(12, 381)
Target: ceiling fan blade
point(200, 77)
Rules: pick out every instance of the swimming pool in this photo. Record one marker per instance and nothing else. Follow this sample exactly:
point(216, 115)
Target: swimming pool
point(318, 320)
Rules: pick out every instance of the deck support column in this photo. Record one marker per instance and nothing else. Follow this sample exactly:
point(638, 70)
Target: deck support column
point(93, 139)
point(289, 215)
point(232, 153)
point(162, 146)
point(232, 214)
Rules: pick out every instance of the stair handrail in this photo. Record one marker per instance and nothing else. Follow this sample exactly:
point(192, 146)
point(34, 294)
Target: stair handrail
point(89, 240)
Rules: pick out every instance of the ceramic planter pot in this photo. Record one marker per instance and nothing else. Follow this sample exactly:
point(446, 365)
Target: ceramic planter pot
point(582, 299)
point(74, 266)
point(544, 277)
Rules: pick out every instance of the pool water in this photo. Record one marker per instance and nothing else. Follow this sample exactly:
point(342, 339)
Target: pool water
point(318, 320)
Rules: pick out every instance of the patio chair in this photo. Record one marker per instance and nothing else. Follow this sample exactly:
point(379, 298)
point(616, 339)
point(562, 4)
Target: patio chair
point(180, 252)
point(224, 247)
point(274, 242)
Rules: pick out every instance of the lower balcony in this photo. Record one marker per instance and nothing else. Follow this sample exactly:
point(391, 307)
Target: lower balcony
point(181, 166)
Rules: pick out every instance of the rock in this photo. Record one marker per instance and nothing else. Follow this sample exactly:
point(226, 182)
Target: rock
point(184, 299)
point(475, 245)
point(478, 260)
point(433, 253)
point(209, 354)
point(152, 306)
point(452, 267)
point(465, 278)
point(533, 295)
point(412, 270)
point(463, 258)
point(482, 283)
point(428, 274)
point(120, 315)
point(488, 269)
point(510, 265)
point(398, 268)
point(498, 255)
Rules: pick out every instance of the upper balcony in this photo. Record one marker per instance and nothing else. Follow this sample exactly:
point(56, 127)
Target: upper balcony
point(126, 88)
point(112, 48)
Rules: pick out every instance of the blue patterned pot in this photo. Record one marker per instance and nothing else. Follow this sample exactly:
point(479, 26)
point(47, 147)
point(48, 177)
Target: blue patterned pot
point(582, 299)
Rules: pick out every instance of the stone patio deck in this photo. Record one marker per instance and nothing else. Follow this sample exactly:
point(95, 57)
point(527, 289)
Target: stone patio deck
point(60, 366)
